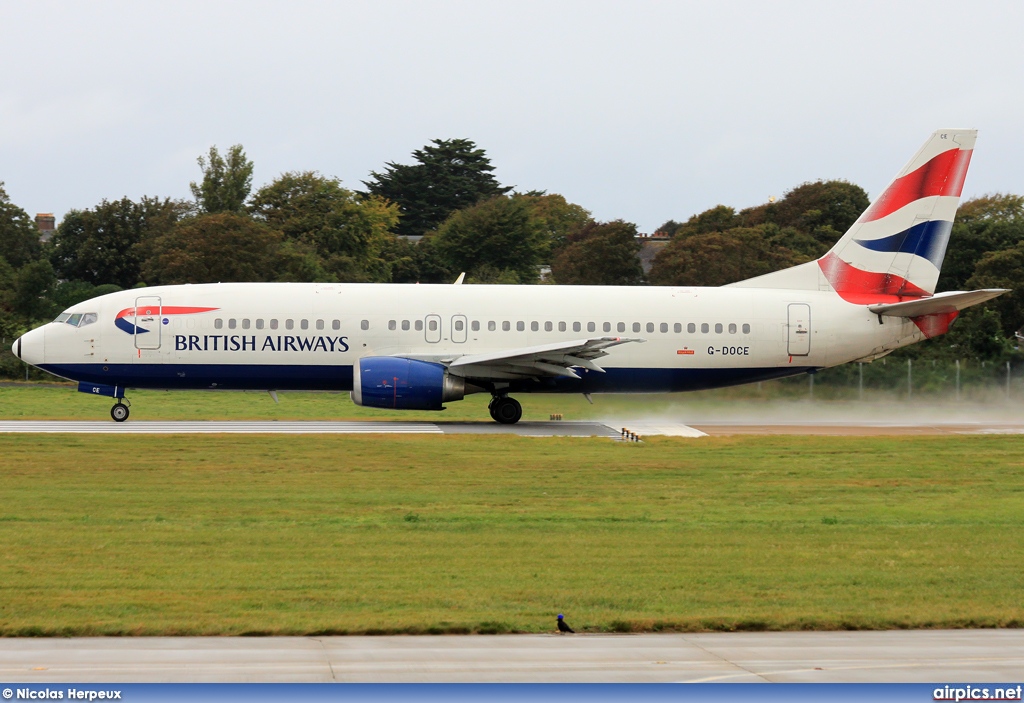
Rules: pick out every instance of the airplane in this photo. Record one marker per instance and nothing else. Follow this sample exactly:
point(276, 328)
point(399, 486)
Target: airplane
point(417, 347)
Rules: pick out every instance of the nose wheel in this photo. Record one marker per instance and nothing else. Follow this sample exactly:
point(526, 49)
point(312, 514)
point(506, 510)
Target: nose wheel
point(119, 412)
point(505, 410)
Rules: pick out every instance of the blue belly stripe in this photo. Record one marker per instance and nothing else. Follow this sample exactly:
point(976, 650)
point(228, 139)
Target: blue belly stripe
point(339, 378)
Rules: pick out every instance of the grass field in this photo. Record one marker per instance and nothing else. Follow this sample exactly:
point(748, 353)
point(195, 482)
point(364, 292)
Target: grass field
point(372, 534)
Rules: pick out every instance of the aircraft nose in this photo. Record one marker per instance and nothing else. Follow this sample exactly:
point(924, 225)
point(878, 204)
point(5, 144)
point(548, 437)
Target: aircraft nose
point(29, 347)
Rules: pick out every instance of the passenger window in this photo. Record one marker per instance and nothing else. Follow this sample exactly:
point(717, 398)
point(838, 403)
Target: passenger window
point(677, 327)
point(304, 324)
point(636, 326)
point(506, 326)
point(289, 324)
point(319, 324)
point(520, 326)
point(718, 328)
point(621, 327)
point(746, 328)
point(232, 323)
point(534, 326)
point(491, 326)
point(591, 327)
point(364, 325)
point(218, 324)
point(607, 327)
point(75, 319)
point(245, 323)
point(259, 324)
point(548, 327)
point(664, 327)
point(704, 328)
point(732, 328)
point(577, 327)
point(273, 324)
point(432, 325)
point(691, 328)
point(405, 325)
point(650, 326)
point(392, 325)
point(561, 326)
point(459, 325)
point(475, 325)
point(419, 325)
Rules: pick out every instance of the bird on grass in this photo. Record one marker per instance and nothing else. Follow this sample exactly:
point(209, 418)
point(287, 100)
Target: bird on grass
point(563, 626)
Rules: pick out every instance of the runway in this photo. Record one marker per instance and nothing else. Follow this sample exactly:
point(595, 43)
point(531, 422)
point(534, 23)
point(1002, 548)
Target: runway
point(939, 656)
point(611, 429)
point(536, 429)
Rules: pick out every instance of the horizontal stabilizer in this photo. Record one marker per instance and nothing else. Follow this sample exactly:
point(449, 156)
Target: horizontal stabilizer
point(953, 301)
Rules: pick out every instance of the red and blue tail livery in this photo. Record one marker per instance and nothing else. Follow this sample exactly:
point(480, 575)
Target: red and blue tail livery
point(419, 347)
point(896, 248)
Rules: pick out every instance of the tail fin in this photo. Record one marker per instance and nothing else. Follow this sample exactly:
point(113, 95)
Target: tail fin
point(897, 246)
point(895, 249)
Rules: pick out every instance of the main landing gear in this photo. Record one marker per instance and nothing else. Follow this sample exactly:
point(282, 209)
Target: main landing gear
point(120, 411)
point(505, 410)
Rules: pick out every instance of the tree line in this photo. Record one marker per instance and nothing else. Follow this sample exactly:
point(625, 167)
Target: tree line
point(446, 213)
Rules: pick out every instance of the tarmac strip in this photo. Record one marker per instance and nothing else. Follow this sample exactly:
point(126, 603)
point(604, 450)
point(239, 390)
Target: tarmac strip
point(910, 656)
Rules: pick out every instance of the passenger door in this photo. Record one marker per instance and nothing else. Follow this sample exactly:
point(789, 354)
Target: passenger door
point(799, 329)
point(148, 322)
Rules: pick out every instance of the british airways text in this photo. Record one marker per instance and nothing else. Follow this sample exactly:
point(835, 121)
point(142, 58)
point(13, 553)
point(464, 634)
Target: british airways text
point(239, 342)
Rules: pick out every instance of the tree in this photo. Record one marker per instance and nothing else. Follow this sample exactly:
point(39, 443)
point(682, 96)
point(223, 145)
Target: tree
point(1003, 269)
point(348, 232)
point(556, 217)
point(716, 219)
point(226, 182)
point(219, 247)
point(33, 284)
point(19, 237)
point(719, 258)
point(498, 234)
point(823, 209)
point(104, 244)
point(986, 224)
point(450, 175)
point(600, 253)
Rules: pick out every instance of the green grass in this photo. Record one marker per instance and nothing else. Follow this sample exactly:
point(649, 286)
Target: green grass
point(371, 534)
point(64, 402)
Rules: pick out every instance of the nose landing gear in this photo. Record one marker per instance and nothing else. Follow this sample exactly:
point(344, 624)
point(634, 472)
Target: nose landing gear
point(505, 410)
point(120, 411)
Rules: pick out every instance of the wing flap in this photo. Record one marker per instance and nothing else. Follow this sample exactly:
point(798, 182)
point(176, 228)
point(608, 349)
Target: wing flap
point(556, 359)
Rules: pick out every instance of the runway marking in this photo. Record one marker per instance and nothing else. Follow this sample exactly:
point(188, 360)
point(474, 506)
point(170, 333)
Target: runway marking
point(215, 427)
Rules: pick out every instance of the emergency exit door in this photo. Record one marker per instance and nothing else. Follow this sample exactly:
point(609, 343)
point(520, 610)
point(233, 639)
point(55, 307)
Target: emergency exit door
point(799, 329)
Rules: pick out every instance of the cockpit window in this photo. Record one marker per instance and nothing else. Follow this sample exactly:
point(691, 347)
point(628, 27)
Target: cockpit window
point(78, 319)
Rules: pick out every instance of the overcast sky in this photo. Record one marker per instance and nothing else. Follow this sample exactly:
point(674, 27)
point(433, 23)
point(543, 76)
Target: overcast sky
point(637, 110)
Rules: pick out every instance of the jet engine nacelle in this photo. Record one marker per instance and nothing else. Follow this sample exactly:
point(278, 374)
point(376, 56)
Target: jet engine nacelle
point(404, 384)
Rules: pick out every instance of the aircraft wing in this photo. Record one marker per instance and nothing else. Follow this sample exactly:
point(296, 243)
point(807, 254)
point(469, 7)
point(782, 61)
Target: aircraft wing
point(939, 303)
point(545, 360)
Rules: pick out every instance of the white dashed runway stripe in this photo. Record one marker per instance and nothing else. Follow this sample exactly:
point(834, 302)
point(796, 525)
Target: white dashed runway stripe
point(213, 427)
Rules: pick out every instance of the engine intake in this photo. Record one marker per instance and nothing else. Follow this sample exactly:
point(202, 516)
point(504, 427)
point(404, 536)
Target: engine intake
point(404, 384)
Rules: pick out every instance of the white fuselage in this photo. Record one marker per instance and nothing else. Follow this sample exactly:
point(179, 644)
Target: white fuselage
point(280, 336)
